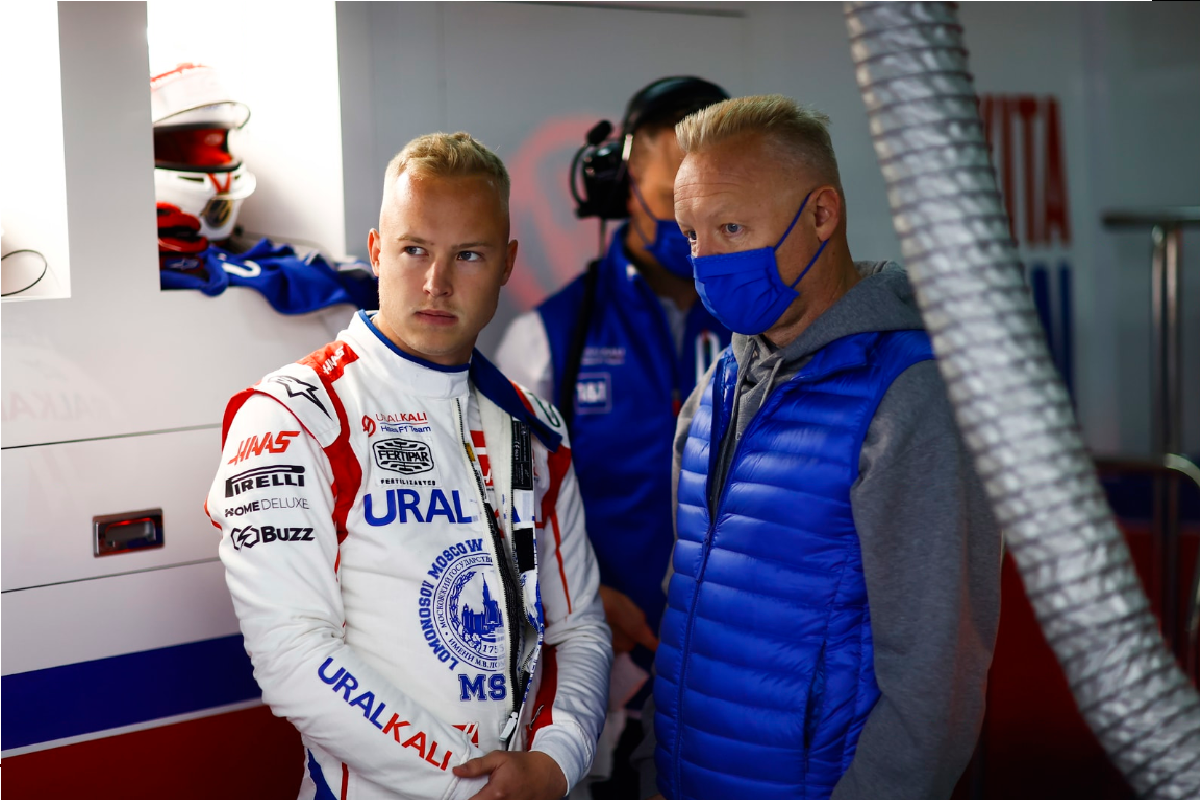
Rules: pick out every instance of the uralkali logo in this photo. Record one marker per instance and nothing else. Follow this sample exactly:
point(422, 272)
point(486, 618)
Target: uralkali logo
point(403, 455)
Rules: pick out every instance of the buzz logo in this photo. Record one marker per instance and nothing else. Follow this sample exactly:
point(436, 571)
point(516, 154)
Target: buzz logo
point(405, 456)
point(248, 537)
point(593, 393)
point(400, 503)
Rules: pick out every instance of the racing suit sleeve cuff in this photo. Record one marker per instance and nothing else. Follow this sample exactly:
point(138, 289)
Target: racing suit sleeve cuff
point(567, 748)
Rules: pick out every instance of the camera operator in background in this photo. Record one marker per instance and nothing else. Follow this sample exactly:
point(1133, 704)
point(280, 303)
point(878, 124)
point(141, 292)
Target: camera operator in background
point(619, 348)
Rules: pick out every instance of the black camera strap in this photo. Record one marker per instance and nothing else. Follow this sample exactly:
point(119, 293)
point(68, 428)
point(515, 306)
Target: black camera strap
point(566, 384)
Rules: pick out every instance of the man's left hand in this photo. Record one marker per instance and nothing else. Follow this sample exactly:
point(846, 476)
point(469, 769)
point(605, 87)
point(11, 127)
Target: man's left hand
point(516, 776)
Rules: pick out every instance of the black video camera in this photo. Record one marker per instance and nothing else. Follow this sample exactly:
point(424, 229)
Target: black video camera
point(603, 165)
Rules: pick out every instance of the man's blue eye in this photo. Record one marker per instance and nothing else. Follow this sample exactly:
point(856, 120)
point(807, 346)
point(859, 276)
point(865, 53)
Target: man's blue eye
point(732, 227)
point(469, 255)
point(413, 250)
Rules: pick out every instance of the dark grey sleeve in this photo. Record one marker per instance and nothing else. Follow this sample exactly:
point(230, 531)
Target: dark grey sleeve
point(931, 555)
point(643, 757)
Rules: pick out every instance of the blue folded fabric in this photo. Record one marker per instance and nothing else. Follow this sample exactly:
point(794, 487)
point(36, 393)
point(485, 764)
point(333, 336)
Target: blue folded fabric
point(291, 284)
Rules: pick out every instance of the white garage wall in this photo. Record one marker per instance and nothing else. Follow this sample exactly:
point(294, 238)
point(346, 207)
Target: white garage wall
point(33, 185)
point(528, 79)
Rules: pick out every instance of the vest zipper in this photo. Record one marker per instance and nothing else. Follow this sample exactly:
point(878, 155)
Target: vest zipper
point(691, 618)
point(772, 402)
point(508, 585)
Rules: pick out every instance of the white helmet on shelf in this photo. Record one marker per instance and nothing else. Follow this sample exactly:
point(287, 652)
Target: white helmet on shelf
point(193, 168)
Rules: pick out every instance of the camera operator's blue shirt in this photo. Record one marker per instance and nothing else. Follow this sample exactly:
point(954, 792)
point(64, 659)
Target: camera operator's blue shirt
point(633, 377)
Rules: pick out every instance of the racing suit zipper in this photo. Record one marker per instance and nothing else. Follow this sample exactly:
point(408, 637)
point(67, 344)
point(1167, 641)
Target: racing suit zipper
point(507, 584)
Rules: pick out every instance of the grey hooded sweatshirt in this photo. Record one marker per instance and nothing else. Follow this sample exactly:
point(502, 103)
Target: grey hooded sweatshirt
point(931, 551)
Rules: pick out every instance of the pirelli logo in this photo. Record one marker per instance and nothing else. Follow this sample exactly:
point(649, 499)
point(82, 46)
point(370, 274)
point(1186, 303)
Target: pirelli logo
point(264, 478)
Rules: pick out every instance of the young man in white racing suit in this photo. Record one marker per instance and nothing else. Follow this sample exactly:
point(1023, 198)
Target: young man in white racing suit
point(402, 531)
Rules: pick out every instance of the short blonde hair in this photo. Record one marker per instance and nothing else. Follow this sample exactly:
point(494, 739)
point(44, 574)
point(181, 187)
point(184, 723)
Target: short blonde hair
point(802, 133)
point(449, 155)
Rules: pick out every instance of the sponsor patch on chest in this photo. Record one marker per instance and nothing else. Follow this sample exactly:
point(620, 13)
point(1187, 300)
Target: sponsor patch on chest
point(593, 393)
point(459, 608)
point(406, 456)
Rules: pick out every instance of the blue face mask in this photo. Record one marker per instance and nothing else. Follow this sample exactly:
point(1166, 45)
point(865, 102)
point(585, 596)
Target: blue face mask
point(670, 247)
point(743, 290)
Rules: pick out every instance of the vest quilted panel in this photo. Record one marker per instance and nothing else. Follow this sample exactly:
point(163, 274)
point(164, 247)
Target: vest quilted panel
point(765, 674)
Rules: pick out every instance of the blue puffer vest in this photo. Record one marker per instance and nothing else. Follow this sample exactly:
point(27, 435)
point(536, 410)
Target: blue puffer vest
point(765, 671)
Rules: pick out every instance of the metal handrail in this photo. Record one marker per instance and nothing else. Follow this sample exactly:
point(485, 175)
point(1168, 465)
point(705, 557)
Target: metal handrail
point(1166, 226)
point(1143, 217)
point(1171, 465)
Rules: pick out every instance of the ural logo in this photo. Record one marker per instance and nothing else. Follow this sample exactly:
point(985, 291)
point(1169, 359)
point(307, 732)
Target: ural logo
point(368, 426)
point(298, 388)
point(255, 446)
point(403, 455)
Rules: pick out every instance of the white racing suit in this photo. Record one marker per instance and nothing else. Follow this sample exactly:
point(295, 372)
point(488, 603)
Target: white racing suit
point(409, 603)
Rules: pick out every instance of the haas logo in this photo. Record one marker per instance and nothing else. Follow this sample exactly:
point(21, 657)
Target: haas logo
point(368, 426)
point(331, 363)
point(271, 443)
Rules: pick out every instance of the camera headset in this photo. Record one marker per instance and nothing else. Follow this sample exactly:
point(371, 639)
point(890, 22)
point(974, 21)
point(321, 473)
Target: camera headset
point(604, 163)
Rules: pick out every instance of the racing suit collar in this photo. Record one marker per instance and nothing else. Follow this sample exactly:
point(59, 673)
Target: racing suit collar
point(418, 375)
point(437, 380)
point(500, 390)
point(366, 318)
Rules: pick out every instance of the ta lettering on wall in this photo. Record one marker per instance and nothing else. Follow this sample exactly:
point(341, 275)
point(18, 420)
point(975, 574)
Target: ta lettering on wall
point(1026, 138)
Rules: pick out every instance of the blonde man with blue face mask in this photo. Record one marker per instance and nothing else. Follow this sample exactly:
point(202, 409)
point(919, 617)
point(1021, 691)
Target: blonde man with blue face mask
point(834, 597)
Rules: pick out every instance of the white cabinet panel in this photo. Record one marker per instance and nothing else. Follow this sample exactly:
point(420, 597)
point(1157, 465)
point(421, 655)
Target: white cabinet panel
point(51, 493)
point(73, 622)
